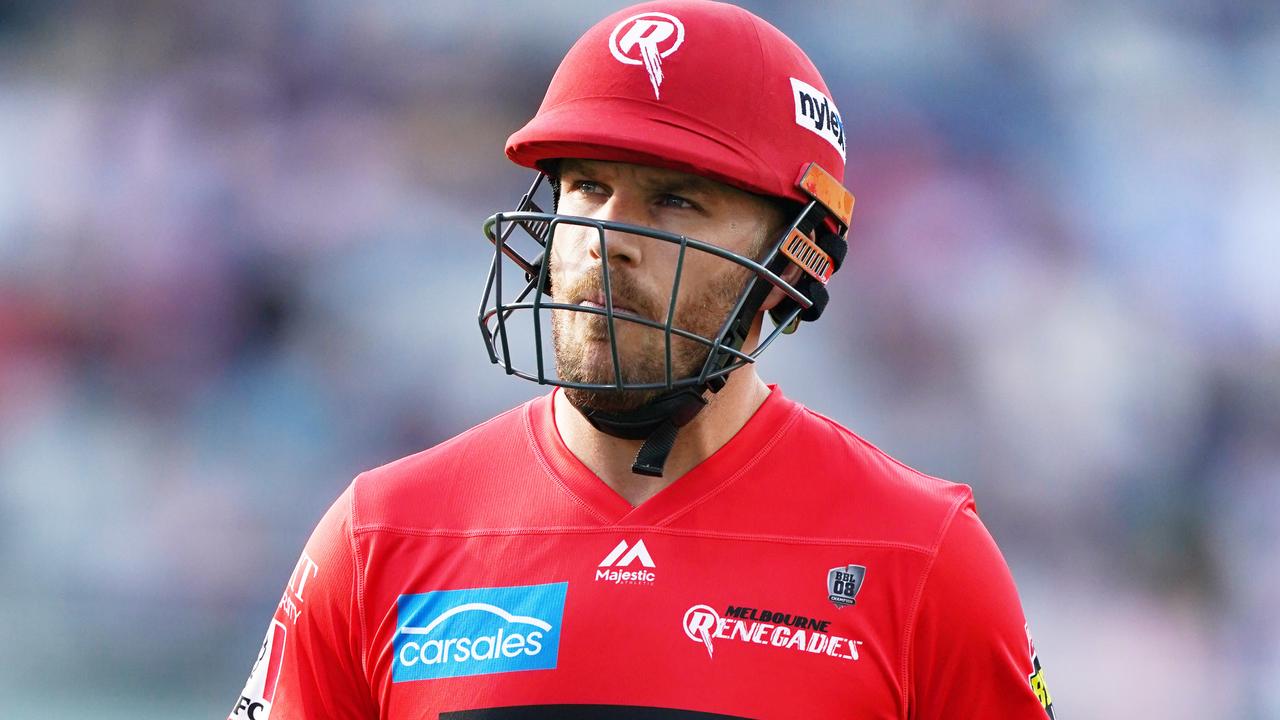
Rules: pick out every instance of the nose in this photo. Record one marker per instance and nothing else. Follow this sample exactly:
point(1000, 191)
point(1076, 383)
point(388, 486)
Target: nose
point(621, 248)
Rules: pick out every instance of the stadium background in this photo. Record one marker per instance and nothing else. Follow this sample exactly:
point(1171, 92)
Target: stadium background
point(240, 259)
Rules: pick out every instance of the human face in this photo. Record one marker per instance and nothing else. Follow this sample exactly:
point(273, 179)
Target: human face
point(642, 272)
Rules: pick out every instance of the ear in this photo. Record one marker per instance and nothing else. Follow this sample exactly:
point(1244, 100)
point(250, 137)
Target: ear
point(791, 276)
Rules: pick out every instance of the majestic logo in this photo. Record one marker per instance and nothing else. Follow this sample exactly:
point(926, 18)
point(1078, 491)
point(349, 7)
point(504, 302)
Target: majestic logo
point(703, 624)
point(478, 631)
point(621, 557)
point(843, 584)
point(260, 690)
point(817, 113)
point(645, 39)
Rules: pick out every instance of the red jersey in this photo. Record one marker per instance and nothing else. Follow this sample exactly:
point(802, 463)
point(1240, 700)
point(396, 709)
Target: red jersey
point(798, 572)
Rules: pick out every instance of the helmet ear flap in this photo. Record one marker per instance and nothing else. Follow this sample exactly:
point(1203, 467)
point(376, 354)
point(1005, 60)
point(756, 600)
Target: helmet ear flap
point(835, 246)
point(820, 296)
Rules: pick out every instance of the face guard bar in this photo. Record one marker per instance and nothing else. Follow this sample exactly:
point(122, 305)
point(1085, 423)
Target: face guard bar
point(724, 350)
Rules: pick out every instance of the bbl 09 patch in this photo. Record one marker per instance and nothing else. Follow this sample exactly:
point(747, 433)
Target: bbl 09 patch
point(1036, 678)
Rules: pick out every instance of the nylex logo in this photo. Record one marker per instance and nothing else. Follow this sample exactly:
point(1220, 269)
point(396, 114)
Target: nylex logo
point(621, 557)
point(478, 631)
point(764, 627)
point(817, 113)
point(645, 39)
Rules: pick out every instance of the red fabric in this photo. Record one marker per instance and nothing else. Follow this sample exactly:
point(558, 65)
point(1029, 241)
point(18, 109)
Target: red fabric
point(970, 643)
point(758, 527)
point(725, 107)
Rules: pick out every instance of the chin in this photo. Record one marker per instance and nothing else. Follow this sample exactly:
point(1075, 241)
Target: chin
point(592, 362)
point(608, 401)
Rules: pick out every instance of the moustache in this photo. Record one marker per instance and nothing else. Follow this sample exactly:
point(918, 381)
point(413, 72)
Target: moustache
point(627, 296)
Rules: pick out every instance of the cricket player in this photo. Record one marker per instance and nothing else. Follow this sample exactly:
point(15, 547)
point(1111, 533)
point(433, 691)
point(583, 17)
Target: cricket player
point(663, 535)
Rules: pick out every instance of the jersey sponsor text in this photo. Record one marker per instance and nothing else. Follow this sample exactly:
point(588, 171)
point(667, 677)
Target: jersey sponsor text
point(817, 113)
point(622, 557)
point(478, 631)
point(702, 623)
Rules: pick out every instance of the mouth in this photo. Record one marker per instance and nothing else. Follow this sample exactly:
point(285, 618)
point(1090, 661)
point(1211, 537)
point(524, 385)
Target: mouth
point(597, 301)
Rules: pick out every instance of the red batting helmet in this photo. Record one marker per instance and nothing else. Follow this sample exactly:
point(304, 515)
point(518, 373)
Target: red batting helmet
point(690, 85)
point(698, 87)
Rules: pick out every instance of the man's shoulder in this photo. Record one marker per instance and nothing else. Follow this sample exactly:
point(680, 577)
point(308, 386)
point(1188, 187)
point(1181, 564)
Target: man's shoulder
point(865, 467)
point(436, 485)
point(458, 452)
point(839, 485)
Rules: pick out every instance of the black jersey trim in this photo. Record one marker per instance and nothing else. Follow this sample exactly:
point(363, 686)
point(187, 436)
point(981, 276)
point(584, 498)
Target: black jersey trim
point(583, 712)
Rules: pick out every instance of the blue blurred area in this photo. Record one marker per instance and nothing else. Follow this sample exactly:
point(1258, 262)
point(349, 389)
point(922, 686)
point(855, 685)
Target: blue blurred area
point(240, 261)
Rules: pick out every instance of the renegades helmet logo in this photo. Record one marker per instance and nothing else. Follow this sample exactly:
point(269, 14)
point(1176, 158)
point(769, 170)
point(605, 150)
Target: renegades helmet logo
point(694, 113)
point(645, 39)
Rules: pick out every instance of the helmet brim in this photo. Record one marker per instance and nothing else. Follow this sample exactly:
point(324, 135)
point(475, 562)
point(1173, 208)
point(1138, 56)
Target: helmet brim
point(645, 133)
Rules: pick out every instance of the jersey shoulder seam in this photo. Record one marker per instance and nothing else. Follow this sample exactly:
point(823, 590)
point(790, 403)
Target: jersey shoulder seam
point(874, 449)
point(359, 584)
point(913, 612)
point(653, 529)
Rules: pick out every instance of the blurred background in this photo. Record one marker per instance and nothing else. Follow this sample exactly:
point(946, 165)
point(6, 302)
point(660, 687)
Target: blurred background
point(240, 260)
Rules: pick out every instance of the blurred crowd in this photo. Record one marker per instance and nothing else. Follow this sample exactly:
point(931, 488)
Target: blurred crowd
point(240, 262)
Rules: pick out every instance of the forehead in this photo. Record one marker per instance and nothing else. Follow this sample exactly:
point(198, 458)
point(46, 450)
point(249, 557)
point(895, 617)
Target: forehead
point(649, 177)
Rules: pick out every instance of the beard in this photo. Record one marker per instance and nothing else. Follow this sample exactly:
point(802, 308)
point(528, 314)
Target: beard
point(582, 339)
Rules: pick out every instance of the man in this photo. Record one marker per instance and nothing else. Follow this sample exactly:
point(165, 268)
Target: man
point(664, 535)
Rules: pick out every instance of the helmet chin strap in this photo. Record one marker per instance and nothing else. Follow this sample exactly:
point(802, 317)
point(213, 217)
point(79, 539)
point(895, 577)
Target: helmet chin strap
point(659, 421)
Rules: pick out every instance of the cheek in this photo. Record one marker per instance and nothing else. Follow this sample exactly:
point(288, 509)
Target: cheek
point(698, 284)
point(704, 273)
point(563, 242)
point(568, 253)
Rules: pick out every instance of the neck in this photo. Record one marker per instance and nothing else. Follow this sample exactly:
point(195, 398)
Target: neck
point(610, 458)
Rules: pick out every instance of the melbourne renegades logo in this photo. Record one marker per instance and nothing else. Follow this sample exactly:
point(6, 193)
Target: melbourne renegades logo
point(645, 39)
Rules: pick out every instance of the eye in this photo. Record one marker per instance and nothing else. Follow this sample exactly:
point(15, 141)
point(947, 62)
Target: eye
point(588, 187)
point(675, 201)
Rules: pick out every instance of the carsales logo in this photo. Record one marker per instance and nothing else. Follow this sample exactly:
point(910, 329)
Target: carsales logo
point(646, 39)
point(703, 624)
point(478, 631)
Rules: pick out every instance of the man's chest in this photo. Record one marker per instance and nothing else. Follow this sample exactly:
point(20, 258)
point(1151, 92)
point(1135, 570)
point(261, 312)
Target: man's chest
point(739, 627)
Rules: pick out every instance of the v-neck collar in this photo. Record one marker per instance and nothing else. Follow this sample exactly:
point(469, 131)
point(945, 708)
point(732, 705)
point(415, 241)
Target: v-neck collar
point(774, 416)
